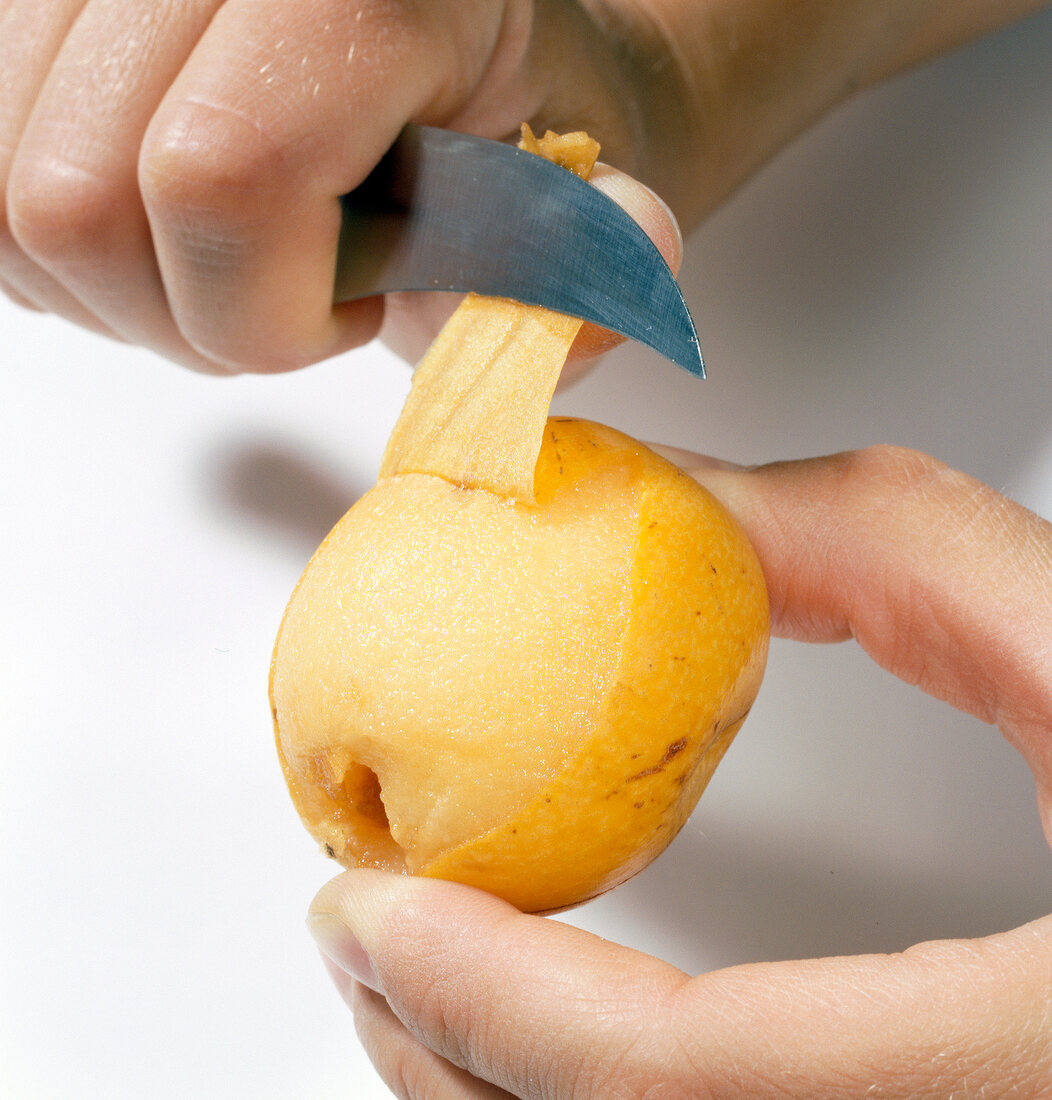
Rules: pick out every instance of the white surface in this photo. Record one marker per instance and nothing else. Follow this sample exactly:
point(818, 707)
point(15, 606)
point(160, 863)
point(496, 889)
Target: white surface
point(888, 278)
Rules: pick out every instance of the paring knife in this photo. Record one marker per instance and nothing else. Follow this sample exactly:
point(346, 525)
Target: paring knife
point(447, 211)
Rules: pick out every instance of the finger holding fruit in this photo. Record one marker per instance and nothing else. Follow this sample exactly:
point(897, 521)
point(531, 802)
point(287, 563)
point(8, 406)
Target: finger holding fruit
point(941, 579)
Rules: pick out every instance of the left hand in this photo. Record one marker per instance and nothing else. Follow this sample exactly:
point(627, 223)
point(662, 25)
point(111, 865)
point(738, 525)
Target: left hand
point(457, 994)
point(466, 997)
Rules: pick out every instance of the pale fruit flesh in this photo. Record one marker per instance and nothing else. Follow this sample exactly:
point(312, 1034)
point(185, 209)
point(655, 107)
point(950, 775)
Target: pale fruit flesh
point(526, 696)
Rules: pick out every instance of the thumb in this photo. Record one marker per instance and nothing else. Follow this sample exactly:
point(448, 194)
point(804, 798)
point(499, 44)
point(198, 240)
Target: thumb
point(655, 218)
point(411, 321)
point(478, 985)
point(476, 997)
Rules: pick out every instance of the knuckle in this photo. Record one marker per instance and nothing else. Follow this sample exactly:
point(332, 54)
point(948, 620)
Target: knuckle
point(208, 175)
point(893, 468)
point(885, 480)
point(918, 489)
point(60, 214)
point(207, 164)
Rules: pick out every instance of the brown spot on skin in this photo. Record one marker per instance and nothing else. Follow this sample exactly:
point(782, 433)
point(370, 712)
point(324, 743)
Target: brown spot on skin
point(555, 443)
point(637, 805)
point(330, 851)
point(674, 750)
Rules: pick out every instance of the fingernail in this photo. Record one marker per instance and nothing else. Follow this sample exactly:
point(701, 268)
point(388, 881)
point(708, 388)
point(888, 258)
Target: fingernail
point(673, 221)
point(341, 947)
point(627, 193)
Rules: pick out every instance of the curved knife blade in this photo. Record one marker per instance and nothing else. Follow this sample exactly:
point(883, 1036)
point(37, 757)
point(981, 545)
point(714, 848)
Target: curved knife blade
point(447, 211)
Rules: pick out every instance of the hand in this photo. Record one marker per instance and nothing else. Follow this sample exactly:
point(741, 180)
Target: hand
point(170, 170)
point(945, 583)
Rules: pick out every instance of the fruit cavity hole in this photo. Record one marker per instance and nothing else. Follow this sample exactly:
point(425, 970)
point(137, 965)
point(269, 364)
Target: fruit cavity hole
point(365, 819)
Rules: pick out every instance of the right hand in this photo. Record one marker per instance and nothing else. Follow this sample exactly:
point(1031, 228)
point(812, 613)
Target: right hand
point(171, 168)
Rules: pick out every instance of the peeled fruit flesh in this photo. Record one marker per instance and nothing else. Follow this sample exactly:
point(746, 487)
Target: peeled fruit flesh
point(526, 695)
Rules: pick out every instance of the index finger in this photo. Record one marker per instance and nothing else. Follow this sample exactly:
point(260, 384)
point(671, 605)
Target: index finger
point(942, 580)
point(279, 110)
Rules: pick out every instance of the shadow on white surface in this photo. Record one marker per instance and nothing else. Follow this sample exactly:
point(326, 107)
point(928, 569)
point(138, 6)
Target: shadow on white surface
point(280, 489)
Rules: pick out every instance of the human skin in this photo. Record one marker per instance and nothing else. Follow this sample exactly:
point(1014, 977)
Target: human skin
point(171, 168)
point(946, 584)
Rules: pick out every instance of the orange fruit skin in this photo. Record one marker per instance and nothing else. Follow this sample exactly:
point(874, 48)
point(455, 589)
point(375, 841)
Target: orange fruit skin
point(692, 656)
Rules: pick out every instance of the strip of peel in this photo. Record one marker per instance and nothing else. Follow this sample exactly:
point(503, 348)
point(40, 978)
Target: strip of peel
point(479, 401)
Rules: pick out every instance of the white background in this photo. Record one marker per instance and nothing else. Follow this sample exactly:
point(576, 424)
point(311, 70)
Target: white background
point(889, 278)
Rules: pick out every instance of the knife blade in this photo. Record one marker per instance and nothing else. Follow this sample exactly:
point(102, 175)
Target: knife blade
point(449, 211)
